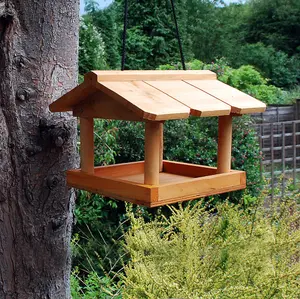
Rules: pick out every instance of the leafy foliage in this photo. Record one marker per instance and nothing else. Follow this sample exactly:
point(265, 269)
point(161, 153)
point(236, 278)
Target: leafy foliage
point(262, 33)
point(152, 39)
point(249, 80)
point(249, 46)
point(282, 70)
point(197, 253)
point(275, 23)
point(97, 215)
point(105, 21)
point(105, 134)
point(91, 47)
point(93, 286)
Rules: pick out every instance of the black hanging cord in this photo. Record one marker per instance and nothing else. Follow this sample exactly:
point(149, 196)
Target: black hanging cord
point(178, 36)
point(124, 35)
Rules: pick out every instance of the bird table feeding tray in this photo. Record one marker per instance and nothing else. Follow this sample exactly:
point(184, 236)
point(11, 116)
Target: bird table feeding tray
point(154, 97)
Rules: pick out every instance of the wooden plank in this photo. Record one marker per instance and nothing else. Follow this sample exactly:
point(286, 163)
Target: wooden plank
point(146, 101)
point(294, 154)
point(152, 152)
point(200, 102)
point(187, 169)
point(87, 144)
point(72, 98)
point(260, 146)
point(179, 188)
point(114, 188)
point(279, 172)
point(283, 159)
point(119, 170)
point(100, 105)
point(101, 76)
point(200, 187)
point(268, 162)
point(164, 178)
point(161, 147)
point(272, 158)
point(224, 144)
point(240, 102)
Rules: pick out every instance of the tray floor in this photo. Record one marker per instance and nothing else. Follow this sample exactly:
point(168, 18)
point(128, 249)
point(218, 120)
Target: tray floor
point(164, 178)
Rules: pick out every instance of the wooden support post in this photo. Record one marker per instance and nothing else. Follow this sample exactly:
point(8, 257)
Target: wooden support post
point(152, 152)
point(161, 150)
point(224, 144)
point(87, 144)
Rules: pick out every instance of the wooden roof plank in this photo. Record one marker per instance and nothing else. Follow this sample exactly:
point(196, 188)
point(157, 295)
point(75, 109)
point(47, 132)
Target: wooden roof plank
point(102, 76)
point(72, 98)
point(240, 102)
point(145, 100)
point(201, 103)
point(100, 105)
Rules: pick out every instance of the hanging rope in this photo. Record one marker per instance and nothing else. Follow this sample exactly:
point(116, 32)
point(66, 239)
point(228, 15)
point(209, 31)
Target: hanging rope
point(178, 36)
point(124, 35)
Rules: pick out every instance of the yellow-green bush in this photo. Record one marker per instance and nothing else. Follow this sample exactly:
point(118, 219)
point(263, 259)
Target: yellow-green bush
point(225, 253)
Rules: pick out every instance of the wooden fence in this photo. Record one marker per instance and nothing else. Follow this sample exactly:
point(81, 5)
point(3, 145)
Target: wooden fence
point(280, 145)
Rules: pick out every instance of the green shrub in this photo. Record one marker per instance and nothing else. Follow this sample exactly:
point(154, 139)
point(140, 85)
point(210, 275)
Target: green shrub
point(291, 95)
point(197, 253)
point(97, 229)
point(105, 133)
point(282, 70)
point(98, 218)
point(249, 80)
point(244, 77)
point(220, 67)
point(268, 94)
point(92, 286)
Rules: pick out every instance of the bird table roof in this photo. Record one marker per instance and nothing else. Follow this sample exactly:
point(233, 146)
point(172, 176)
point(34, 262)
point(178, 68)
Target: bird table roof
point(159, 95)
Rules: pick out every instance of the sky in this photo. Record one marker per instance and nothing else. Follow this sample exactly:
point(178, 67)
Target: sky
point(104, 3)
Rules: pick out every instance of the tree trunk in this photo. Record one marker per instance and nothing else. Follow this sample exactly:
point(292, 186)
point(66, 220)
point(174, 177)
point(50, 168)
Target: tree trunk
point(38, 63)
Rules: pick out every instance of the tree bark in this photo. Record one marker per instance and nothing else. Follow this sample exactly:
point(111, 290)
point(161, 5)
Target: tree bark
point(38, 63)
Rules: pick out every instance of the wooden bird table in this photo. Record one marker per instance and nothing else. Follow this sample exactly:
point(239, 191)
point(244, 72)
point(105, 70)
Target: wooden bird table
point(154, 97)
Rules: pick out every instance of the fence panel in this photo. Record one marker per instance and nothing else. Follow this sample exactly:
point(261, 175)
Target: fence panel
point(280, 145)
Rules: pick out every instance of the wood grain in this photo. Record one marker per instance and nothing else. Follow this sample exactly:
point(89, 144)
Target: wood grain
point(100, 105)
point(87, 144)
point(164, 178)
point(152, 152)
point(125, 182)
point(161, 147)
point(72, 98)
point(201, 187)
point(240, 102)
point(224, 143)
point(187, 169)
point(119, 170)
point(146, 101)
point(112, 187)
point(155, 95)
point(200, 102)
point(131, 75)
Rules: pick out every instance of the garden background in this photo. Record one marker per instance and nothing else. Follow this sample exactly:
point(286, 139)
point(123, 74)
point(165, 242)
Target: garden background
point(124, 251)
